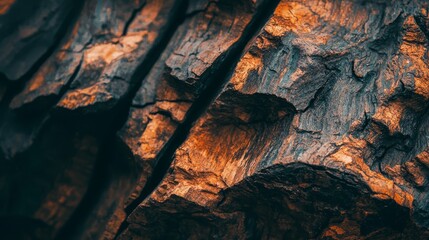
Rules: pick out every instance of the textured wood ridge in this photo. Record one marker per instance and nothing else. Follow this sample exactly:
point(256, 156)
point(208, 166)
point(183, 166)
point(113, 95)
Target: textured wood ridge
point(165, 119)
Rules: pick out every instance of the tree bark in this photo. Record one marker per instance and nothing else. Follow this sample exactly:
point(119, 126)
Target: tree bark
point(165, 119)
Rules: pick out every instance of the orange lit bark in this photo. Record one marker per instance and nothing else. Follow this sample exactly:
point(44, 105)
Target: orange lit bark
point(214, 119)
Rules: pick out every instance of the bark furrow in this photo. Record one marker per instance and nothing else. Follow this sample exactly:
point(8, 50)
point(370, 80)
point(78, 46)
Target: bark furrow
point(214, 119)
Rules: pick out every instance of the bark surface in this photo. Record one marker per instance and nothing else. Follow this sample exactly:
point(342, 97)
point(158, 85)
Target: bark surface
point(163, 119)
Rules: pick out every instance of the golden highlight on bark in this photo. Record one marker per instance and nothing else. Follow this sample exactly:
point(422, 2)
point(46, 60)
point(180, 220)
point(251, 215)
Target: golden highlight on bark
point(214, 119)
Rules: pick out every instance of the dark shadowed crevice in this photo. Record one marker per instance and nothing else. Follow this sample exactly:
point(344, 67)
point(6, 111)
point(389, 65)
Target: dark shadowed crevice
point(45, 104)
point(339, 196)
point(14, 87)
point(212, 89)
point(131, 19)
point(256, 137)
point(98, 183)
point(100, 180)
point(420, 22)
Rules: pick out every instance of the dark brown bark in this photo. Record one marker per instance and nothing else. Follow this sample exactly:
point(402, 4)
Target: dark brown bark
point(214, 119)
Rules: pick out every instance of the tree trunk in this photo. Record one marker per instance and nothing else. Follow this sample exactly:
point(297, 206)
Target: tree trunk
point(164, 119)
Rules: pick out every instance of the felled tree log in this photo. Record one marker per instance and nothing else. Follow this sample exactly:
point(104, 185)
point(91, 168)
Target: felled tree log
point(215, 120)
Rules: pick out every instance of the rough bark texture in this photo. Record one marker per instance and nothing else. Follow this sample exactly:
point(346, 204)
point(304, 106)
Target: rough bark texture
point(165, 119)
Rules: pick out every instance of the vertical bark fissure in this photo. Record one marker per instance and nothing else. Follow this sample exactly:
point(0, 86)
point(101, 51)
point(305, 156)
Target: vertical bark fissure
point(215, 84)
point(100, 177)
point(133, 16)
point(422, 26)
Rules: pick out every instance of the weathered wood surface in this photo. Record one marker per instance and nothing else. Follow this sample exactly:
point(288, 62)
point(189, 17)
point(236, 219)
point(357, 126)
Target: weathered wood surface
point(215, 120)
point(29, 30)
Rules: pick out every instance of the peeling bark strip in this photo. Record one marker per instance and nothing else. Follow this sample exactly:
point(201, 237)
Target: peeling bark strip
point(96, 65)
point(214, 119)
